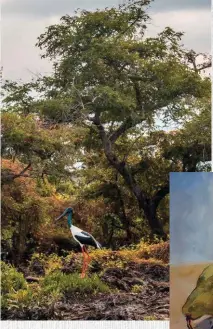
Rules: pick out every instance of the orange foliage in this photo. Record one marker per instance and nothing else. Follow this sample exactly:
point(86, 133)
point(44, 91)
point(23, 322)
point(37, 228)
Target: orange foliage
point(23, 188)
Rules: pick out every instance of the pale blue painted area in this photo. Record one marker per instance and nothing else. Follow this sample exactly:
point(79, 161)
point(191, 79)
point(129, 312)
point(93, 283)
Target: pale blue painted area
point(191, 217)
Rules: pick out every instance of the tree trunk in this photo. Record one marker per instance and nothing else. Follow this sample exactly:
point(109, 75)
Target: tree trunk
point(150, 212)
point(147, 205)
point(122, 214)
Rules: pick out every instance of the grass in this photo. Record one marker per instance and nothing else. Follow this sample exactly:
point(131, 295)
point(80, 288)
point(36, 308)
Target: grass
point(18, 294)
point(12, 282)
point(11, 279)
point(73, 284)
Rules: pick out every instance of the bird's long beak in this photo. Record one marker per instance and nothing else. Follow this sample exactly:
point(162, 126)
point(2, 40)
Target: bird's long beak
point(64, 213)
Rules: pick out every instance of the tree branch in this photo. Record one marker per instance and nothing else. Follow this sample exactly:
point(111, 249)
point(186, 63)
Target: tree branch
point(204, 66)
point(160, 195)
point(7, 179)
point(23, 171)
point(114, 161)
point(192, 56)
point(123, 127)
point(127, 124)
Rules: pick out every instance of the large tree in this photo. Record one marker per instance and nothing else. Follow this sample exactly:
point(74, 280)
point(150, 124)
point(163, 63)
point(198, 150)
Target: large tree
point(111, 79)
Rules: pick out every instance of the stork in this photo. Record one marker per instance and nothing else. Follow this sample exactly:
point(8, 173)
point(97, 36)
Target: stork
point(83, 238)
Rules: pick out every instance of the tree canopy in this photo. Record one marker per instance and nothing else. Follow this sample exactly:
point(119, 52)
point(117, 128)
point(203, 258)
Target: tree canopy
point(94, 129)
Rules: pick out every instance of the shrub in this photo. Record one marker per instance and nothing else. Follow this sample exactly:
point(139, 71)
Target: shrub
point(107, 258)
point(48, 263)
point(20, 299)
point(73, 284)
point(17, 294)
point(11, 282)
point(30, 300)
point(158, 251)
point(11, 279)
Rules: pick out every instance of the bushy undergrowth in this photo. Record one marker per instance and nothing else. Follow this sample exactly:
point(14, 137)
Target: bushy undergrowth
point(48, 262)
point(61, 275)
point(157, 253)
point(73, 284)
point(18, 294)
point(11, 280)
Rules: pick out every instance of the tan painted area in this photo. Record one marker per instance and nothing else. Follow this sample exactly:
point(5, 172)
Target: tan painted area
point(183, 279)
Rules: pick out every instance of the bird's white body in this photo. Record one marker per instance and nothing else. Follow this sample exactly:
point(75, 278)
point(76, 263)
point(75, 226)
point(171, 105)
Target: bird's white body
point(77, 231)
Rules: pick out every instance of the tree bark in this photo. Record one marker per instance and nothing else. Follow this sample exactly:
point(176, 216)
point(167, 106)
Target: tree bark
point(150, 212)
point(122, 214)
point(148, 207)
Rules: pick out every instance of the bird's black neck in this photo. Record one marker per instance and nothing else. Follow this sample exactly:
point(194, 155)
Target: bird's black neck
point(69, 219)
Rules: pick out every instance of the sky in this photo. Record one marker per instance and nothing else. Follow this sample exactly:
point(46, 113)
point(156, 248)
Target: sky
point(24, 20)
point(191, 217)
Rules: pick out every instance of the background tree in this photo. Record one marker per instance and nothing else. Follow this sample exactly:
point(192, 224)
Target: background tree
point(109, 89)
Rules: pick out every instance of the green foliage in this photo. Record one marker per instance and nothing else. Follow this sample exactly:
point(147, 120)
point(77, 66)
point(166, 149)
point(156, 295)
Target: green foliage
point(11, 279)
point(20, 99)
point(72, 284)
point(24, 211)
point(44, 188)
point(66, 188)
point(11, 282)
point(20, 299)
point(49, 262)
point(137, 289)
point(17, 294)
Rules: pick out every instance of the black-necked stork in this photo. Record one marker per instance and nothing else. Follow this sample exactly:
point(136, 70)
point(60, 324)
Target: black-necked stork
point(82, 237)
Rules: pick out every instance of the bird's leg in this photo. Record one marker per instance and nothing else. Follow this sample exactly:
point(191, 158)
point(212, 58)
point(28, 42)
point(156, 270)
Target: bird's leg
point(84, 264)
point(88, 259)
point(88, 256)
